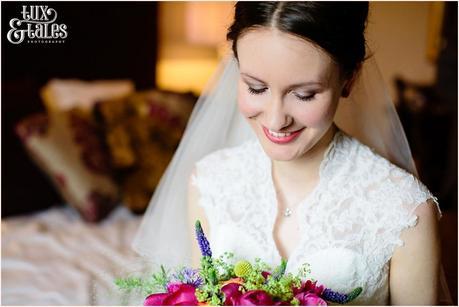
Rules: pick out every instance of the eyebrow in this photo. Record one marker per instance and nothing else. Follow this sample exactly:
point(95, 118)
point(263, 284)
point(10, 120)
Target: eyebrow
point(291, 86)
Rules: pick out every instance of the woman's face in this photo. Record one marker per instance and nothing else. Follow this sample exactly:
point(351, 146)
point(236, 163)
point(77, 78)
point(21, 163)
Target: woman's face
point(286, 84)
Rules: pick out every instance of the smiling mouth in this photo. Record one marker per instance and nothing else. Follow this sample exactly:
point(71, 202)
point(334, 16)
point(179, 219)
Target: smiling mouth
point(281, 138)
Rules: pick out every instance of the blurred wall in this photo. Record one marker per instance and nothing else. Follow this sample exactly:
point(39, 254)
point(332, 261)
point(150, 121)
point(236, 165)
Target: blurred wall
point(397, 32)
point(105, 41)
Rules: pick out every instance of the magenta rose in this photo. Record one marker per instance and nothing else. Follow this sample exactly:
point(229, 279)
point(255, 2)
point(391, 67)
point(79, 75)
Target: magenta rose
point(282, 303)
point(255, 298)
point(309, 287)
point(310, 299)
point(232, 294)
point(178, 295)
point(155, 299)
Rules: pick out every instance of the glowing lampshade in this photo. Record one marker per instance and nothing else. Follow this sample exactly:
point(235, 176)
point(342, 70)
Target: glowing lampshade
point(185, 74)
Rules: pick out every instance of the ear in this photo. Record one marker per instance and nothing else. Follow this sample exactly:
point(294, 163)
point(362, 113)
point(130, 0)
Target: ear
point(349, 83)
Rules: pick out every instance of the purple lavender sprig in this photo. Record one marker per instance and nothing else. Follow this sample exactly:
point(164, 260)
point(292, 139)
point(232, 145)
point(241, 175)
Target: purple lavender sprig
point(202, 240)
point(336, 297)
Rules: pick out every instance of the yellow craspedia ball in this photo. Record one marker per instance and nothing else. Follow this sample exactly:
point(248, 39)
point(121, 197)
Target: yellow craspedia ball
point(242, 268)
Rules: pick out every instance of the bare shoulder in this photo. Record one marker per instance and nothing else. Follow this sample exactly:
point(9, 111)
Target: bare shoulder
point(414, 267)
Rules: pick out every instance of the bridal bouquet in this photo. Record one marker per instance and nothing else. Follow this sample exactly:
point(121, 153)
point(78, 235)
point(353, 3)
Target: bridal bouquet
point(218, 282)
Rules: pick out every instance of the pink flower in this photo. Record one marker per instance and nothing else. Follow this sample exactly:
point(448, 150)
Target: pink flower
point(281, 303)
point(173, 286)
point(178, 295)
point(309, 287)
point(255, 298)
point(265, 274)
point(309, 294)
point(155, 299)
point(232, 294)
point(310, 299)
point(234, 297)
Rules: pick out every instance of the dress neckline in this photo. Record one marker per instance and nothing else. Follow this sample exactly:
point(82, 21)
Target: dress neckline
point(301, 205)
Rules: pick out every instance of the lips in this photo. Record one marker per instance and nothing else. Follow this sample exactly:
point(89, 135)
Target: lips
point(282, 140)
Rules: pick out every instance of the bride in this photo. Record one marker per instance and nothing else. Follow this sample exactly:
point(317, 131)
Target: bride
point(295, 151)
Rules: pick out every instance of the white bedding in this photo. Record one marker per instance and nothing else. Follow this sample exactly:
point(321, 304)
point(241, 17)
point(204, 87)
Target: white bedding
point(55, 258)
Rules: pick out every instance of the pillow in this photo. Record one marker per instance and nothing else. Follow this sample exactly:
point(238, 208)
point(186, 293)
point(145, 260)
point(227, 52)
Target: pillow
point(68, 148)
point(66, 94)
point(142, 131)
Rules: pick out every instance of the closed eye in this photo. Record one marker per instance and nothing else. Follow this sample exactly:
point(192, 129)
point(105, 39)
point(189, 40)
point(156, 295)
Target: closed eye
point(256, 91)
point(305, 98)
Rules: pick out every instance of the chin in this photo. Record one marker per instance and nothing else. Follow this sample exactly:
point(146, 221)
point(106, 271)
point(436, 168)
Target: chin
point(279, 152)
point(281, 156)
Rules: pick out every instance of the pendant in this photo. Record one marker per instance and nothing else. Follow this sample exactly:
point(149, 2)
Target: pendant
point(287, 212)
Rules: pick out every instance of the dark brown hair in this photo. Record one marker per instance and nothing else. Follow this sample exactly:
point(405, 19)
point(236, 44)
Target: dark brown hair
point(336, 27)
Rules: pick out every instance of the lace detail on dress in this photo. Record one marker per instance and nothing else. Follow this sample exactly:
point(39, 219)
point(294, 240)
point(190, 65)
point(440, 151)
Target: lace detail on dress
point(350, 224)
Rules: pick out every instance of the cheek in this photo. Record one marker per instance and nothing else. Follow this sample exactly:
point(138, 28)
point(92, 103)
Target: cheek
point(315, 115)
point(247, 106)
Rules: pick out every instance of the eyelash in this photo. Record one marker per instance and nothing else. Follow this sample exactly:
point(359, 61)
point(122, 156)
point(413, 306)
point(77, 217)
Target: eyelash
point(260, 91)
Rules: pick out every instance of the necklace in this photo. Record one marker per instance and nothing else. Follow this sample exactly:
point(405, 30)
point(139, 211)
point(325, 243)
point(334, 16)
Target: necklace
point(287, 212)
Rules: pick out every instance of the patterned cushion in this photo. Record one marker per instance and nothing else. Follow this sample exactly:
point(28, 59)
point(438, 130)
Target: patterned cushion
point(142, 132)
point(67, 147)
point(67, 94)
point(100, 144)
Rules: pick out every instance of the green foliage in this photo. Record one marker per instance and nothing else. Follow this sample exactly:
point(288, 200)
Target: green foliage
point(282, 288)
point(208, 271)
point(210, 291)
point(278, 285)
point(295, 302)
point(304, 271)
point(224, 267)
point(155, 283)
point(353, 294)
point(128, 283)
point(280, 270)
point(254, 279)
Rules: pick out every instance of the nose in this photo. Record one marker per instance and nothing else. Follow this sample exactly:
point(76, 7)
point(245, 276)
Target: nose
point(276, 117)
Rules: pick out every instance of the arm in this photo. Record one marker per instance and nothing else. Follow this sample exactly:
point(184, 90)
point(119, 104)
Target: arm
point(195, 212)
point(415, 267)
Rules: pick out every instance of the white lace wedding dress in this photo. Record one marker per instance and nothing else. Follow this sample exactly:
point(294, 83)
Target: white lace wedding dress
point(350, 223)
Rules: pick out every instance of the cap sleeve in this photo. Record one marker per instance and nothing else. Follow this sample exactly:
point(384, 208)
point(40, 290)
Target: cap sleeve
point(404, 193)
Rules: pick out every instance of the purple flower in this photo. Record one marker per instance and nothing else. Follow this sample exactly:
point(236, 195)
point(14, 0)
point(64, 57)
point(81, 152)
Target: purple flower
point(189, 276)
point(341, 298)
point(202, 240)
point(333, 296)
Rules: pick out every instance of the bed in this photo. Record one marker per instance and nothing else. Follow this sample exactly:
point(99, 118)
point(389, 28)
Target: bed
point(55, 258)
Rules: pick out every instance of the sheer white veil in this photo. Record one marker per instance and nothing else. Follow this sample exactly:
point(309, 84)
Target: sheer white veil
point(368, 114)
